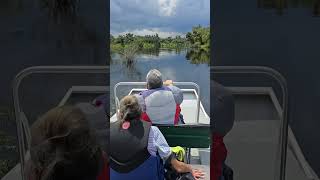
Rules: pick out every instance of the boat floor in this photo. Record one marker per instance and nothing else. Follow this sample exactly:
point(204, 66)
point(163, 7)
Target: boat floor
point(252, 148)
point(15, 173)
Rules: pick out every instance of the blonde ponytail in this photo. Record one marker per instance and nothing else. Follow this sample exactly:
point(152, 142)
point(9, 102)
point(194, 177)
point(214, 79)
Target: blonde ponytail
point(129, 109)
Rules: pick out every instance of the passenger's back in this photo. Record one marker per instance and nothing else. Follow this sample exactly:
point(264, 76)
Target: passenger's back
point(161, 105)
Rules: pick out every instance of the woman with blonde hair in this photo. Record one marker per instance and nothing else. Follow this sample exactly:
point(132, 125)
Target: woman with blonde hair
point(139, 149)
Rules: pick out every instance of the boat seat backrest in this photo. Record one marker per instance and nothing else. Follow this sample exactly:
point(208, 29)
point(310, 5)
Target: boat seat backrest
point(189, 136)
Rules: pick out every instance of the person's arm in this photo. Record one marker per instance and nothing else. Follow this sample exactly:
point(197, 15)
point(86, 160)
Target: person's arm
point(177, 92)
point(160, 143)
point(166, 154)
point(168, 83)
point(180, 167)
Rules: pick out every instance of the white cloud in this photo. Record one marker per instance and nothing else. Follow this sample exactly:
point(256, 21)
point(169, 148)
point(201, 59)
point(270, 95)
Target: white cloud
point(153, 31)
point(166, 17)
point(167, 7)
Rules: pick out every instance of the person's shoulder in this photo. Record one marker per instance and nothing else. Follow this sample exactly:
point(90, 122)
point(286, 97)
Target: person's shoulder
point(173, 88)
point(177, 93)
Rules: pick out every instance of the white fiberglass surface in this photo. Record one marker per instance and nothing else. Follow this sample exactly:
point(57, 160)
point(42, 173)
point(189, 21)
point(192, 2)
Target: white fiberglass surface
point(188, 107)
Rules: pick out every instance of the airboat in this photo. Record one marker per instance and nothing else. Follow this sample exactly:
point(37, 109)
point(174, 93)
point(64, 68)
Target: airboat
point(261, 144)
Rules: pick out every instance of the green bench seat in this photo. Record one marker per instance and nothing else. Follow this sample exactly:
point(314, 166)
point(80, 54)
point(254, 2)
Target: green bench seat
point(186, 135)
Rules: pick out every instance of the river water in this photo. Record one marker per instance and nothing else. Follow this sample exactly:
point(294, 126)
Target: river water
point(174, 65)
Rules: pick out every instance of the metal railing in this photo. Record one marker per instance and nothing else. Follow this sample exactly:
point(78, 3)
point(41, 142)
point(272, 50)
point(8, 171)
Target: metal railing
point(22, 124)
point(116, 99)
point(283, 139)
point(104, 70)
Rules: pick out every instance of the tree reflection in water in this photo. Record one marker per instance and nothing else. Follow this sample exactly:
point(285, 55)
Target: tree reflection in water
point(281, 5)
point(198, 56)
point(131, 70)
point(151, 52)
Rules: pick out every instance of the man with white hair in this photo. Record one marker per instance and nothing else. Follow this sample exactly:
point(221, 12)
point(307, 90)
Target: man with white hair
point(161, 102)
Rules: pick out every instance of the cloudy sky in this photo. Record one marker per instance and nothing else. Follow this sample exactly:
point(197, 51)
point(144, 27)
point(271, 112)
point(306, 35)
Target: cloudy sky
point(165, 17)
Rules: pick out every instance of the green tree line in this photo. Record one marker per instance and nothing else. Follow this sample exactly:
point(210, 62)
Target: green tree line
point(197, 42)
point(199, 38)
point(148, 42)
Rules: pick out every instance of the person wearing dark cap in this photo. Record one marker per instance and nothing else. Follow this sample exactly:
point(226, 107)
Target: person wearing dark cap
point(223, 119)
point(161, 102)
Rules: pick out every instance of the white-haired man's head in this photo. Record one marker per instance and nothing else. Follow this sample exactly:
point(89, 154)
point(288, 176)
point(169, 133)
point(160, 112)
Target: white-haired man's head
point(154, 79)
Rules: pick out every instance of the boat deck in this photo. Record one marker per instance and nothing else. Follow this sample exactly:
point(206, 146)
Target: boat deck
point(253, 141)
point(199, 157)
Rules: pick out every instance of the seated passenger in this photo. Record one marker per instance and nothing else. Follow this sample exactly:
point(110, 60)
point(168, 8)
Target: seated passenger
point(161, 102)
point(139, 149)
point(223, 113)
point(64, 147)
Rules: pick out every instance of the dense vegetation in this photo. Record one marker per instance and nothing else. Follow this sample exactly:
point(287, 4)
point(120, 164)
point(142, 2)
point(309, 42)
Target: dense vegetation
point(147, 42)
point(197, 42)
point(198, 38)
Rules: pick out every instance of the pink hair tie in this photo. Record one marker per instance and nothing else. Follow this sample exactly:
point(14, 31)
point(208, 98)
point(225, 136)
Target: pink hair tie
point(126, 125)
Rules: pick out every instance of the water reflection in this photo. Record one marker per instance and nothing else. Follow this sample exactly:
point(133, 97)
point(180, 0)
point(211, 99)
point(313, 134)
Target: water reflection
point(60, 10)
point(198, 56)
point(159, 51)
point(128, 68)
point(281, 5)
point(131, 69)
point(176, 64)
point(152, 52)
